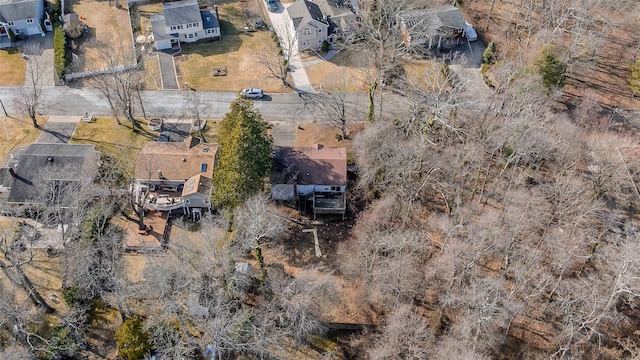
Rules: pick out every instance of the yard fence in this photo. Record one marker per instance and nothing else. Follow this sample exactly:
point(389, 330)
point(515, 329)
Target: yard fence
point(83, 75)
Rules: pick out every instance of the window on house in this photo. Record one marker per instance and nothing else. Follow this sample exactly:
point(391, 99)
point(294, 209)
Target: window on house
point(304, 43)
point(10, 23)
point(319, 30)
point(187, 201)
point(190, 36)
point(29, 21)
point(203, 167)
point(307, 31)
point(16, 31)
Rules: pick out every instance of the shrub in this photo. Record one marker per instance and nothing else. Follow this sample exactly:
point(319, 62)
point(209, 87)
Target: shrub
point(12, 35)
point(71, 295)
point(325, 46)
point(59, 50)
point(132, 341)
point(551, 69)
point(489, 53)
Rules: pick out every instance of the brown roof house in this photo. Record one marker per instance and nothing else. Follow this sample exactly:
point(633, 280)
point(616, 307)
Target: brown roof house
point(438, 27)
point(178, 172)
point(314, 176)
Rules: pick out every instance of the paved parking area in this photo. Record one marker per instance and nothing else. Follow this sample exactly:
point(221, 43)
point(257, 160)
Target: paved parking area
point(176, 130)
point(58, 129)
point(40, 49)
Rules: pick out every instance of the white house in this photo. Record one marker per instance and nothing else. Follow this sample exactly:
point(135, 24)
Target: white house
point(311, 26)
point(21, 17)
point(315, 176)
point(183, 21)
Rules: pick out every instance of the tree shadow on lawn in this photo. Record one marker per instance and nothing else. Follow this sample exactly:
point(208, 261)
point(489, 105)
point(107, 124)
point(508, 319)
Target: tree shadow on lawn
point(228, 44)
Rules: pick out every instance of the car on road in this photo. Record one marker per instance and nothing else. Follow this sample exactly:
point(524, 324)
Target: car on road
point(272, 5)
point(252, 93)
point(471, 33)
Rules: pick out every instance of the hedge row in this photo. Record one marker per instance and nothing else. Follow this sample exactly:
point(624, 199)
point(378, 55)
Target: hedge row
point(59, 49)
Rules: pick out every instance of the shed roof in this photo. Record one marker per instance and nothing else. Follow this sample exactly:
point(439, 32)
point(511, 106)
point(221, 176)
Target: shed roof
point(314, 165)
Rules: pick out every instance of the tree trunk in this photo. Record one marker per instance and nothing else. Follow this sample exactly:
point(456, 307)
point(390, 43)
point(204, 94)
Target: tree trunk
point(31, 290)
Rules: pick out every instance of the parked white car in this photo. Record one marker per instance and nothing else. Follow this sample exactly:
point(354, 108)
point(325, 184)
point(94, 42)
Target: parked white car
point(252, 93)
point(471, 33)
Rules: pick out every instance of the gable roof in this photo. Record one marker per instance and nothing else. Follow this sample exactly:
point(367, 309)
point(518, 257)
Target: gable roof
point(62, 164)
point(175, 161)
point(159, 28)
point(429, 21)
point(181, 12)
point(197, 184)
point(14, 10)
point(302, 12)
point(314, 165)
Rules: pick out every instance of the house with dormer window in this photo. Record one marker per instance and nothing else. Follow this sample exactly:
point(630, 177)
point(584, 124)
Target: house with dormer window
point(183, 21)
point(311, 26)
point(22, 17)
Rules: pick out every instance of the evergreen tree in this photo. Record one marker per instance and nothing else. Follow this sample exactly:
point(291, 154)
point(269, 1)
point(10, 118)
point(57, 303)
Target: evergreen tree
point(551, 69)
point(244, 156)
point(131, 339)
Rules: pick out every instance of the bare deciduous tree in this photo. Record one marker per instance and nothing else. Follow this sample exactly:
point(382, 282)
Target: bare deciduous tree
point(31, 98)
point(276, 55)
point(117, 77)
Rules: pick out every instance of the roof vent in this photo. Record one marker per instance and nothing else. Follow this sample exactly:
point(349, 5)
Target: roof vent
point(50, 159)
point(205, 149)
point(184, 160)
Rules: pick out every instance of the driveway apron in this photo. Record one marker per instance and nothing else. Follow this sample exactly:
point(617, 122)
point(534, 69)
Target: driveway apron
point(58, 130)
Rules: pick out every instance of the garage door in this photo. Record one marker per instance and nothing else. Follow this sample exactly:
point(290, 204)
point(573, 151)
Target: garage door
point(31, 30)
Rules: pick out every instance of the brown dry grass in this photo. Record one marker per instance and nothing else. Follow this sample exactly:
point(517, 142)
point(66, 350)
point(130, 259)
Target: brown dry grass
point(309, 134)
point(12, 67)
point(17, 132)
point(108, 25)
point(343, 66)
point(236, 51)
point(113, 139)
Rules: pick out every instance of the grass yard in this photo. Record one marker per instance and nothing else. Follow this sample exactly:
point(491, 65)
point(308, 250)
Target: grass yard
point(107, 25)
point(342, 71)
point(12, 67)
point(236, 51)
point(17, 132)
point(113, 139)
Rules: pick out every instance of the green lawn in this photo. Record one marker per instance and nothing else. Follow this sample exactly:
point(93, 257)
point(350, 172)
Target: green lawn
point(12, 67)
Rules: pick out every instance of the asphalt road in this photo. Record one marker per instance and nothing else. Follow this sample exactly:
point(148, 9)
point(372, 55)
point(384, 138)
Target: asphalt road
point(283, 107)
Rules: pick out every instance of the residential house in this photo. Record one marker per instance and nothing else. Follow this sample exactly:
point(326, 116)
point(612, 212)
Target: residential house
point(50, 174)
point(22, 17)
point(178, 172)
point(196, 195)
point(184, 21)
point(314, 176)
point(441, 26)
point(310, 25)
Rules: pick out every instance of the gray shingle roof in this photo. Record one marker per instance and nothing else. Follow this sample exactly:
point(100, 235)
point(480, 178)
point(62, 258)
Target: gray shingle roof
point(209, 20)
point(159, 28)
point(13, 10)
point(429, 21)
point(181, 12)
point(62, 164)
point(303, 11)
